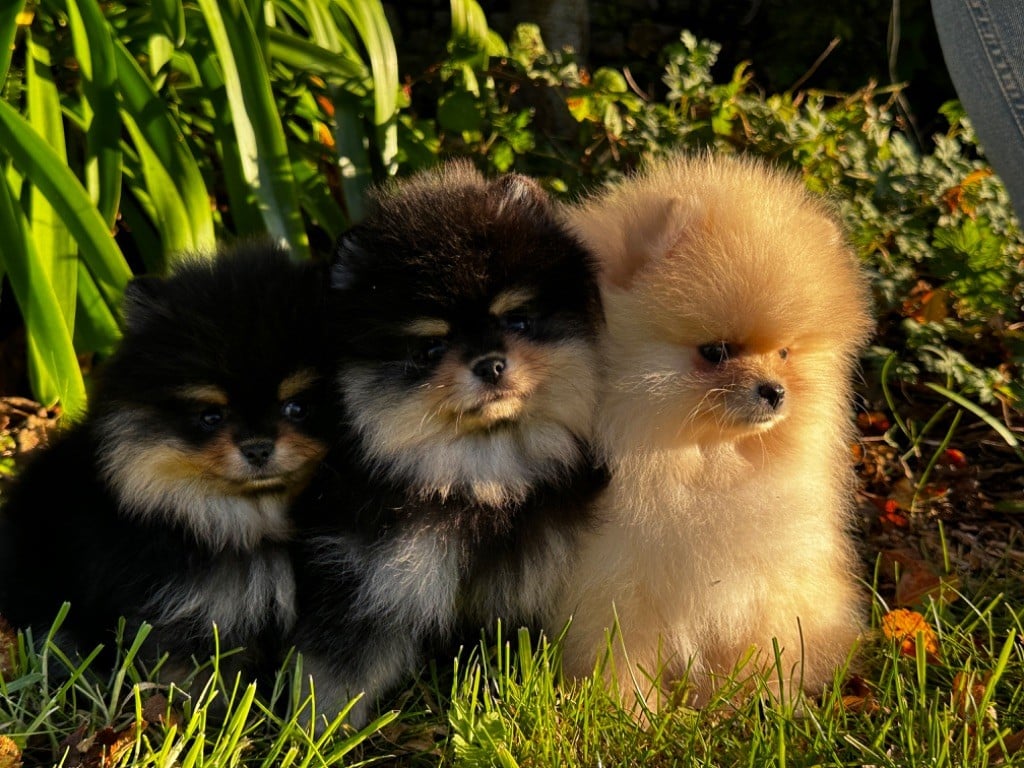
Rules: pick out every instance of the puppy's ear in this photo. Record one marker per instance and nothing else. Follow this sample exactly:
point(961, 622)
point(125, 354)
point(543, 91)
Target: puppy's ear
point(143, 299)
point(628, 237)
point(348, 255)
point(520, 192)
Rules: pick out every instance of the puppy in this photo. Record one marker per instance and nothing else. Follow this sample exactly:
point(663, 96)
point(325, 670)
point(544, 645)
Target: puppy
point(466, 322)
point(735, 314)
point(168, 503)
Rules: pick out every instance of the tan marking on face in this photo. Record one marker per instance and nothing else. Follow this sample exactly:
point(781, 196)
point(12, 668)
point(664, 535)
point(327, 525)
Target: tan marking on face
point(297, 383)
point(428, 327)
point(206, 393)
point(506, 301)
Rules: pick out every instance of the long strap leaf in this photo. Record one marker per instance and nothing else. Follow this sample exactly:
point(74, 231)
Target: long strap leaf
point(54, 246)
point(371, 23)
point(44, 169)
point(10, 11)
point(94, 51)
point(53, 365)
point(261, 141)
point(160, 141)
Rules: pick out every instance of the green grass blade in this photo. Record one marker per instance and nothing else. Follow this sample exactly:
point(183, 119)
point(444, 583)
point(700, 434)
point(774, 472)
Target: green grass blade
point(53, 366)
point(260, 135)
point(997, 426)
point(54, 245)
point(166, 152)
point(94, 52)
point(42, 167)
point(9, 14)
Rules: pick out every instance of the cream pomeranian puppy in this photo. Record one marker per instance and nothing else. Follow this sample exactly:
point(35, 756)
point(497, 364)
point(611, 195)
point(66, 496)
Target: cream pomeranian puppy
point(735, 315)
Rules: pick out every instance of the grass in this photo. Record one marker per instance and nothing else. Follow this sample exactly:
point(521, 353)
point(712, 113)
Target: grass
point(900, 702)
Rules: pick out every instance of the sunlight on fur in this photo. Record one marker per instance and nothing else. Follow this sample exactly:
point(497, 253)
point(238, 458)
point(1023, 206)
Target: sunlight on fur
point(735, 312)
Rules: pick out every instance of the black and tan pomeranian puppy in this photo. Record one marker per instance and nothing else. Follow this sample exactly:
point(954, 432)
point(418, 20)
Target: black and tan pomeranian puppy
point(736, 311)
point(168, 503)
point(466, 319)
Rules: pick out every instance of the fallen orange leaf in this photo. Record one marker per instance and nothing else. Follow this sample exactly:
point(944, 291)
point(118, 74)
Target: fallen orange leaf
point(954, 458)
point(926, 304)
point(909, 628)
point(122, 744)
point(10, 753)
point(891, 514)
point(955, 198)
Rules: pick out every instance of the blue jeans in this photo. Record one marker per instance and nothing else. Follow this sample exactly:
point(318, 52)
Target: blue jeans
point(983, 45)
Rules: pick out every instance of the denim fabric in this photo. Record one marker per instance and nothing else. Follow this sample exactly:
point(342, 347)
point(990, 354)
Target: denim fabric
point(983, 45)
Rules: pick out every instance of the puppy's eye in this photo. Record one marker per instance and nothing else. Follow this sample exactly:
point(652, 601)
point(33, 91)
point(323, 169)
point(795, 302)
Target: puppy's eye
point(517, 322)
point(717, 352)
point(784, 353)
point(431, 350)
point(212, 417)
point(294, 410)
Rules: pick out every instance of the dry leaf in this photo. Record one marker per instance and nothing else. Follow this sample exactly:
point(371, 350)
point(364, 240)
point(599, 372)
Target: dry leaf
point(919, 585)
point(873, 423)
point(954, 458)
point(10, 753)
point(8, 649)
point(968, 695)
point(155, 710)
point(917, 582)
point(858, 697)
point(909, 628)
point(103, 749)
point(954, 197)
point(926, 304)
point(1010, 745)
point(891, 513)
point(122, 743)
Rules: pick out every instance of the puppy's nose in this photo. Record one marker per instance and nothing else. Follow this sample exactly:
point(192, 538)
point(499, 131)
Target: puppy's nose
point(257, 451)
point(489, 368)
point(772, 393)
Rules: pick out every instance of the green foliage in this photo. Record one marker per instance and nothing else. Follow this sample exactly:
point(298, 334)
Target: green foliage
point(130, 134)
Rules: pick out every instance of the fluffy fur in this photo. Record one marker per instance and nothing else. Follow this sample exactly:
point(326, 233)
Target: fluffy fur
point(169, 503)
point(735, 314)
point(466, 321)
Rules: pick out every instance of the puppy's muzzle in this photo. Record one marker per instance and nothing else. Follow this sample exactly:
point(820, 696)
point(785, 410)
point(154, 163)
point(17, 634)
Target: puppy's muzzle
point(257, 451)
point(772, 393)
point(489, 368)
